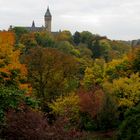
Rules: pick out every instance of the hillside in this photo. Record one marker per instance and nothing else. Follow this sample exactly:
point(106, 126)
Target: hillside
point(75, 86)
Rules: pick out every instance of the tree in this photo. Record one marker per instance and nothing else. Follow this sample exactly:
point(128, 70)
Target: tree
point(77, 38)
point(12, 75)
point(98, 110)
point(101, 48)
point(19, 31)
point(125, 90)
point(67, 107)
point(11, 70)
point(136, 60)
point(29, 41)
point(51, 72)
point(130, 127)
point(67, 48)
point(64, 36)
point(118, 68)
point(94, 75)
point(45, 39)
point(87, 38)
point(10, 98)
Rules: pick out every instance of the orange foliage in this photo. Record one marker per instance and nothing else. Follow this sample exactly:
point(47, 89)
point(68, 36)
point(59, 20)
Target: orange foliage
point(9, 59)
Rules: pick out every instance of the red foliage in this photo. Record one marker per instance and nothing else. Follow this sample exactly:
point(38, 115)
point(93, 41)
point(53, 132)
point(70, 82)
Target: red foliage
point(31, 125)
point(91, 102)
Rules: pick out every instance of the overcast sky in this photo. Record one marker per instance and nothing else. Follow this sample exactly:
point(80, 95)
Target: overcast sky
point(117, 19)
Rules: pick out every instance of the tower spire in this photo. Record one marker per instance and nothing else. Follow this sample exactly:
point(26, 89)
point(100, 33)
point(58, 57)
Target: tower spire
point(48, 19)
point(48, 13)
point(33, 24)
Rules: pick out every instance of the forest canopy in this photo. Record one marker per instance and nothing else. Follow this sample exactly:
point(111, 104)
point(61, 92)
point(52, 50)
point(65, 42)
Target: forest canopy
point(61, 85)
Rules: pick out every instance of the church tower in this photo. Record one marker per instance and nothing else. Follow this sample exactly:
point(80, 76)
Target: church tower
point(48, 20)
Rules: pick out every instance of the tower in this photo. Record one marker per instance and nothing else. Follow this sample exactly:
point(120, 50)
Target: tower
point(48, 20)
point(33, 24)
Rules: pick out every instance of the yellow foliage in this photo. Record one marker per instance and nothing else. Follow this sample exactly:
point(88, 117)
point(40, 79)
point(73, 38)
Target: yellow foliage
point(67, 106)
point(126, 90)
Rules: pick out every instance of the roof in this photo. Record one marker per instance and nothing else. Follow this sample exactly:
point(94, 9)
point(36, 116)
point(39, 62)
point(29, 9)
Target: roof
point(48, 14)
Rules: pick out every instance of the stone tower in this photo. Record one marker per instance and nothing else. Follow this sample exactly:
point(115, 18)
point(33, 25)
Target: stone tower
point(48, 20)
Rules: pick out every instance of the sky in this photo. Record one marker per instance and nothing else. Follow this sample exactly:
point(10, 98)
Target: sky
point(116, 19)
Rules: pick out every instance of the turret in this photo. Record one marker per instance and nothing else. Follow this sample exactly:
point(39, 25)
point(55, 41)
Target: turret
point(48, 20)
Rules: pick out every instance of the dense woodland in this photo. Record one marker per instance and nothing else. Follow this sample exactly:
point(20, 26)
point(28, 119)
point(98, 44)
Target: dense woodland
point(68, 87)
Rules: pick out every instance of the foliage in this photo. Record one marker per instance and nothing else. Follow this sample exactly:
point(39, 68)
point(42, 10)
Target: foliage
point(118, 68)
point(67, 48)
point(64, 36)
point(67, 107)
point(103, 74)
point(44, 39)
point(11, 70)
point(136, 60)
point(31, 124)
point(94, 76)
point(130, 127)
point(10, 97)
point(51, 72)
point(77, 38)
point(86, 38)
point(19, 31)
point(98, 111)
point(28, 40)
point(126, 90)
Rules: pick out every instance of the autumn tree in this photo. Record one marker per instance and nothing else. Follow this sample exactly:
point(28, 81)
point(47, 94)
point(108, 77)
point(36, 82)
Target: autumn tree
point(98, 110)
point(126, 91)
point(11, 70)
point(13, 80)
point(51, 72)
point(118, 68)
point(94, 75)
point(64, 36)
point(67, 107)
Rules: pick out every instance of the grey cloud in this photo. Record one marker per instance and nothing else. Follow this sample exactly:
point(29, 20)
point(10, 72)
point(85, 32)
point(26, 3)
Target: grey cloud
point(118, 19)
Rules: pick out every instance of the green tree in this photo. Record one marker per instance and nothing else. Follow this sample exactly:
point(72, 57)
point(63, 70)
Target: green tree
point(136, 60)
point(10, 97)
point(77, 38)
point(67, 48)
point(87, 38)
point(130, 127)
point(19, 31)
point(45, 39)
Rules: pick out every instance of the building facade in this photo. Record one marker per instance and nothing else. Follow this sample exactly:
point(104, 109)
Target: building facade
point(46, 27)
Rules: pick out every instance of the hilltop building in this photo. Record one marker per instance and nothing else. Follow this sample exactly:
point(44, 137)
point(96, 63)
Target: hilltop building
point(47, 26)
